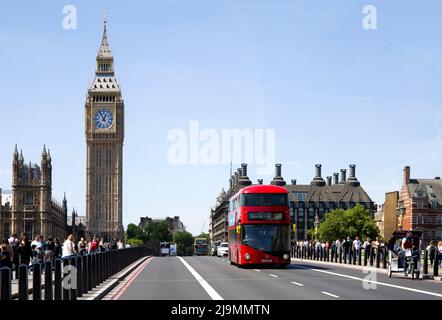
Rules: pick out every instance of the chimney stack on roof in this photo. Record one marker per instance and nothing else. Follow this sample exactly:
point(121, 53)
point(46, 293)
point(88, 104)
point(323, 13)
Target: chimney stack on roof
point(407, 172)
point(244, 179)
point(317, 180)
point(343, 176)
point(293, 181)
point(278, 180)
point(329, 180)
point(260, 181)
point(352, 180)
point(336, 178)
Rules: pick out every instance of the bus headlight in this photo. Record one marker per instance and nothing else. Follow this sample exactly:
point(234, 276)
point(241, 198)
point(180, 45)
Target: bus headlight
point(285, 256)
point(247, 256)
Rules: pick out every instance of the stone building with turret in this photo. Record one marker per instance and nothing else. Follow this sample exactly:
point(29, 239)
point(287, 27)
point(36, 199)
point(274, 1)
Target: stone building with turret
point(307, 201)
point(33, 210)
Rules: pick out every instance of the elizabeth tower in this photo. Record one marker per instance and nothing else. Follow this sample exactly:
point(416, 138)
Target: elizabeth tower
point(104, 117)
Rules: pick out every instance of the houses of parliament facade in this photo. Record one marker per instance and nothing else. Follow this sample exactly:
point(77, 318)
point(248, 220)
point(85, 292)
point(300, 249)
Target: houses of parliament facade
point(32, 209)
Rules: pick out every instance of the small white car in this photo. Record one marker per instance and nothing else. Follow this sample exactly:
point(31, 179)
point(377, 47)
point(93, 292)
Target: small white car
point(223, 249)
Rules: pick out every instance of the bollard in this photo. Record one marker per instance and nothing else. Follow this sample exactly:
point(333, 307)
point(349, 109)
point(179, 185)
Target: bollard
point(48, 280)
point(5, 281)
point(365, 257)
point(425, 271)
point(360, 257)
point(371, 256)
point(100, 270)
point(79, 276)
point(384, 258)
point(57, 280)
point(378, 262)
point(95, 269)
point(65, 283)
point(73, 272)
point(89, 273)
point(354, 256)
point(436, 266)
point(84, 273)
point(340, 255)
point(23, 282)
point(36, 281)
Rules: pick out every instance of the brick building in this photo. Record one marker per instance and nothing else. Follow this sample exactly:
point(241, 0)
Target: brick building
point(420, 206)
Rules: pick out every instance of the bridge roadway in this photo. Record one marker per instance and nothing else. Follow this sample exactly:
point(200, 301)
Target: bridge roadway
point(205, 278)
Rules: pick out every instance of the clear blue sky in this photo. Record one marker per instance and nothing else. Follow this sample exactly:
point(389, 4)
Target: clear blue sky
point(335, 93)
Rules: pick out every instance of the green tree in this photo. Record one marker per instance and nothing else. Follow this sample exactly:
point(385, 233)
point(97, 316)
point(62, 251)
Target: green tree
point(157, 231)
point(184, 243)
point(133, 232)
point(134, 242)
point(352, 222)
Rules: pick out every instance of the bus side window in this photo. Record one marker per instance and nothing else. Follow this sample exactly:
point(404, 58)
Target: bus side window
point(232, 238)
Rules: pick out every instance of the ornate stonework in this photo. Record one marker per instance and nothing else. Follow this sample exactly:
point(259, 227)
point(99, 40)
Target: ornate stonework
point(104, 118)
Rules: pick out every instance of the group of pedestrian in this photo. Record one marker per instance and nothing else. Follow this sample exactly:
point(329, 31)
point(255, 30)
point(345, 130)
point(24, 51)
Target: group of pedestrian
point(19, 250)
point(434, 250)
point(346, 247)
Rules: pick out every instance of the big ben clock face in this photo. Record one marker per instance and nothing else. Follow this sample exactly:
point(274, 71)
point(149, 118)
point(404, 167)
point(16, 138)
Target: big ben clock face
point(103, 119)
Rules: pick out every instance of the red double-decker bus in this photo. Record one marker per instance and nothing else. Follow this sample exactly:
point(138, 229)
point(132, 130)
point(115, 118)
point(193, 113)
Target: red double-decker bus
point(259, 226)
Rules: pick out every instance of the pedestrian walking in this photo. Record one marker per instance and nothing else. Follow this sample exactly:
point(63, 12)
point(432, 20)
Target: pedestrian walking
point(57, 249)
point(82, 246)
point(49, 249)
point(439, 248)
point(69, 247)
point(5, 255)
point(24, 250)
point(357, 247)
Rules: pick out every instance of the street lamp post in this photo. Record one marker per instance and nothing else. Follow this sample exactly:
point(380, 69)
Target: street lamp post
point(316, 224)
point(400, 212)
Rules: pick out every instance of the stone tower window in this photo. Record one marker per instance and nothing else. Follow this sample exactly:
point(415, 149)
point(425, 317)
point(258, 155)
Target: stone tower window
point(29, 199)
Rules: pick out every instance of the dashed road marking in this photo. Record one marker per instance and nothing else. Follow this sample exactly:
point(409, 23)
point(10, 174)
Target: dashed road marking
point(257, 270)
point(330, 294)
point(273, 275)
point(298, 284)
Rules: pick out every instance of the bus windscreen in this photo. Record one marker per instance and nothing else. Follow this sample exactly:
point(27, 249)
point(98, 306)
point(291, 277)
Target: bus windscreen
point(267, 238)
point(264, 199)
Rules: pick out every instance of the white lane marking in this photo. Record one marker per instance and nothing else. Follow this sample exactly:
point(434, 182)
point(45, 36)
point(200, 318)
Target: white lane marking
point(209, 289)
point(257, 270)
point(273, 275)
point(330, 294)
point(298, 284)
point(376, 282)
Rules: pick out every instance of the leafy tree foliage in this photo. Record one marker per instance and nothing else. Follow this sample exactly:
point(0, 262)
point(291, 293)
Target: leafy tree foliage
point(184, 243)
point(133, 232)
point(339, 224)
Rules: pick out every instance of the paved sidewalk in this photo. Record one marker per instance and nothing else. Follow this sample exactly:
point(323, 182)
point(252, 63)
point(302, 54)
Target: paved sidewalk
point(100, 291)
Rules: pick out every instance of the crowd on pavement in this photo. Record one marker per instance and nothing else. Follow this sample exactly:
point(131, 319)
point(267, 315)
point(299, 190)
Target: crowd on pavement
point(19, 250)
point(351, 248)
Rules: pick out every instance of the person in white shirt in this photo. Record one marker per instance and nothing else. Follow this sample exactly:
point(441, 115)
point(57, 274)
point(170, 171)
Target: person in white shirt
point(69, 247)
point(120, 244)
point(338, 247)
point(357, 247)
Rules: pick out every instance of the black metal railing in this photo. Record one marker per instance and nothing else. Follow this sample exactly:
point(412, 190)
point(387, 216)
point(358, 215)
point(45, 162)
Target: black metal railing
point(68, 278)
point(375, 257)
